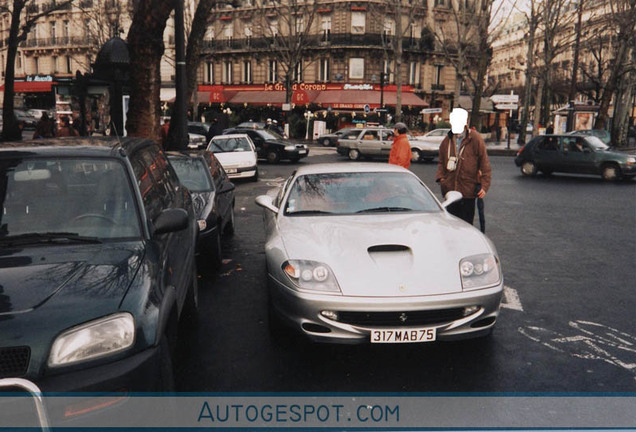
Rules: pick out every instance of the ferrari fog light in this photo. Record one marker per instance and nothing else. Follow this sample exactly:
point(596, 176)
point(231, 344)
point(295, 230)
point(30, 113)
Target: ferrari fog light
point(332, 315)
point(202, 224)
point(469, 310)
point(479, 271)
point(94, 339)
point(311, 275)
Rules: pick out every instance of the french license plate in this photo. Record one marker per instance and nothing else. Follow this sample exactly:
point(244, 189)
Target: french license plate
point(302, 151)
point(231, 170)
point(404, 335)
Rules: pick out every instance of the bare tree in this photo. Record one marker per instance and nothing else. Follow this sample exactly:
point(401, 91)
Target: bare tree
point(403, 18)
point(146, 46)
point(18, 32)
point(554, 20)
point(623, 14)
point(287, 25)
point(102, 20)
point(532, 19)
point(467, 45)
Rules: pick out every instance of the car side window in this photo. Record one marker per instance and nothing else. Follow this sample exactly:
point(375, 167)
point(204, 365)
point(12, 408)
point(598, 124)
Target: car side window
point(351, 135)
point(370, 135)
point(387, 135)
point(548, 144)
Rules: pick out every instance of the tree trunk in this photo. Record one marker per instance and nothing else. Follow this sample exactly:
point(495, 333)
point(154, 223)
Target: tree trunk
point(145, 43)
point(397, 49)
point(610, 85)
point(529, 72)
point(195, 44)
point(623, 106)
point(11, 130)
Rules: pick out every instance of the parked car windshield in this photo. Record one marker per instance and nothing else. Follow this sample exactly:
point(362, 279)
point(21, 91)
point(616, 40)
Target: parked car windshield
point(224, 145)
point(358, 193)
point(192, 173)
point(55, 199)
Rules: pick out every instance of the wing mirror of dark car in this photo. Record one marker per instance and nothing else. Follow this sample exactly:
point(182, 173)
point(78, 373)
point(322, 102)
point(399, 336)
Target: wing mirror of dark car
point(171, 220)
point(267, 202)
point(227, 187)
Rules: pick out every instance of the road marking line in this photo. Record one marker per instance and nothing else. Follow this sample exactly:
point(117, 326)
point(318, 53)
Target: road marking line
point(511, 299)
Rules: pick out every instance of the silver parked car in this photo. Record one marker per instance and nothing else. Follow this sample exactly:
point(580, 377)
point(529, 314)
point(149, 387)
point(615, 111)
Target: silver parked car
point(426, 147)
point(366, 142)
point(366, 253)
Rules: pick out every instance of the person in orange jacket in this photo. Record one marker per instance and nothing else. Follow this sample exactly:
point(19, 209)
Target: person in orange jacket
point(401, 149)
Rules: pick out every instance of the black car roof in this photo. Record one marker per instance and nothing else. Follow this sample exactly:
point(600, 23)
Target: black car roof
point(75, 146)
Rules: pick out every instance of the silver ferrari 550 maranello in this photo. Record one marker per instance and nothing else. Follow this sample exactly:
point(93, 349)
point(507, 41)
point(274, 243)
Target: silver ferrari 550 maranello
point(365, 253)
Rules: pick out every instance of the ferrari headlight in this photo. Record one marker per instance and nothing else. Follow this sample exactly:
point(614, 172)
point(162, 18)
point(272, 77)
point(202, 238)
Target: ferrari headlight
point(94, 339)
point(311, 275)
point(479, 271)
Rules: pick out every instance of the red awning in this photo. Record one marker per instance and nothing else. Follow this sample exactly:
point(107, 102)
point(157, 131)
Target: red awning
point(256, 97)
point(31, 86)
point(357, 99)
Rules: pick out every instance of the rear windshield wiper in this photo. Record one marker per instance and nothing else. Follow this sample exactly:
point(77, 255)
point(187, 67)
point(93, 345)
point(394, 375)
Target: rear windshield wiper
point(47, 237)
point(384, 209)
point(308, 212)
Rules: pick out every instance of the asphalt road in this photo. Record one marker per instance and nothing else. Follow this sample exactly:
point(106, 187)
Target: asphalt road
point(567, 322)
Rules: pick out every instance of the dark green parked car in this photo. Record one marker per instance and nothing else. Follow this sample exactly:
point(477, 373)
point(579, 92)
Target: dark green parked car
point(574, 154)
point(97, 264)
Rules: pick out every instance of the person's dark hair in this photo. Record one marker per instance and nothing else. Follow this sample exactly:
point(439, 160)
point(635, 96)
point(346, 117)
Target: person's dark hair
point(65, 121)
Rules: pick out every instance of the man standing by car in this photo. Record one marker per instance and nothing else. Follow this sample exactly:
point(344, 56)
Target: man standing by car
point(463, 166)
point(401, 149)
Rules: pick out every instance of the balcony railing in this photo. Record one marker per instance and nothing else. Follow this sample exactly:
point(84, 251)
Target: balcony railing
point(58, 42)
point(438, 87)
point(314, 41)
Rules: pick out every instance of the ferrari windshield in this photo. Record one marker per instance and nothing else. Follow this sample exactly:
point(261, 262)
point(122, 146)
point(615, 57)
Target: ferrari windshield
point(66, 200)
point(358, 193)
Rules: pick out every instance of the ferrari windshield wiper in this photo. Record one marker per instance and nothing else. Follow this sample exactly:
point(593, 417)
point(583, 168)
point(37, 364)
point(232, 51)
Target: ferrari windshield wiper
point(308, 212)
point(384, 209)
point(47, 237)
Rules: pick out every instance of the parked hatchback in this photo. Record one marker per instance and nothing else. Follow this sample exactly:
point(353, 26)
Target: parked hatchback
point(574, 154)
point(213, 198)
point(97, 265)
point(366, 142)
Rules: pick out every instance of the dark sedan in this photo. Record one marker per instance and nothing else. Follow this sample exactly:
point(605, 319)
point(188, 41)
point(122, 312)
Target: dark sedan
point(97, 265)
point(271, 146)
point(213, 198)
point(574, 154)
point(331, 139)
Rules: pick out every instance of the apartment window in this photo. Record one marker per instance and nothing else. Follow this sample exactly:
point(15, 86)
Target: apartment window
point(326, 28)
point(53, 64)
point(273, 28)
point(53, 31)
point(298, 72)
point(247, 72)
point(358, 22)
point(437, 74)
point(69, 65)
point(299, 24)
point(36, 65)
point(416, 33)
point(356, 68)
point(323, 72)
point(18, 60)
point(388, 30)
point(227, 72)
point(440, 3)
point(228, 32)
point(272, 71)
point(66, 29)
point(414, 73)
point(209, 72)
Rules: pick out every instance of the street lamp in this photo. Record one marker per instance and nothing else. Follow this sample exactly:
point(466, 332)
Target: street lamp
point(308, 116)
point(382, 78)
